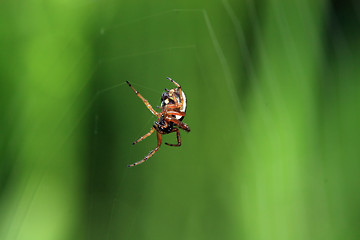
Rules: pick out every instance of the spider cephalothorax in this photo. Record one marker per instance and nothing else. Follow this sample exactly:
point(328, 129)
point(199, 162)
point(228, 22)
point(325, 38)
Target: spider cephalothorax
point(173, 109)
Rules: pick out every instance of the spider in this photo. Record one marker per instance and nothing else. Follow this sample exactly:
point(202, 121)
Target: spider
point(173, 109)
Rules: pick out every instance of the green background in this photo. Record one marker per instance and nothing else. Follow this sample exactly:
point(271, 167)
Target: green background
point(273, 94)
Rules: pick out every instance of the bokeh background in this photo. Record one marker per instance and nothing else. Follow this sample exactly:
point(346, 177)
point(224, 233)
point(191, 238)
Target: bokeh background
point(273, 92)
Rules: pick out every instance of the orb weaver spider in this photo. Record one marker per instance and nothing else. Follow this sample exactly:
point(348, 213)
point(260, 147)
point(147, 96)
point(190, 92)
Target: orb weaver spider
point(173, 109)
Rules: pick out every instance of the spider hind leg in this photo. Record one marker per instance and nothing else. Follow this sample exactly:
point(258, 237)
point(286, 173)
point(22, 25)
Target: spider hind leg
point(145, 136)
point(151, 153)
point(178, 85)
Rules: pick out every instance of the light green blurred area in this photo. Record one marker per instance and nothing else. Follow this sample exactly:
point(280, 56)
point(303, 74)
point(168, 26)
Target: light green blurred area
point(273, 90)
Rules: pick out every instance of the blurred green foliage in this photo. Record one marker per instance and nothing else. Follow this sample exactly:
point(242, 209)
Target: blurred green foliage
point(273, 91)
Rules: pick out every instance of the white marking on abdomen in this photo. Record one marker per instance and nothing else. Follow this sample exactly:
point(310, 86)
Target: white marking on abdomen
point(183, 107)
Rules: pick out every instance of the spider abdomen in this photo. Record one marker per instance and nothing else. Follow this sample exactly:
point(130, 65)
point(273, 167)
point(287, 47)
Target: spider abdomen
point(172, 97)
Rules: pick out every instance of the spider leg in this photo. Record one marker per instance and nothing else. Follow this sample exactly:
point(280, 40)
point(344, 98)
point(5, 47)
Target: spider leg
point(174, 113)
point(178, 138)
point(174, 106)
point(144, 100)
point(151, 153)
point(179, 123)
point(145, 136)
point(178, 85)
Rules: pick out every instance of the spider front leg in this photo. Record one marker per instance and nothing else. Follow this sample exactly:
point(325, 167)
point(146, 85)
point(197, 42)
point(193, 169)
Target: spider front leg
point(179, 123)
point(174, 113)
point(144, 100)
point(151, 153)
point(145, 136)
point(178, 138)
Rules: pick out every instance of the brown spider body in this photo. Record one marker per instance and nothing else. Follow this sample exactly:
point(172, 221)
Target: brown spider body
point(173, 109)
point(162, 126)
